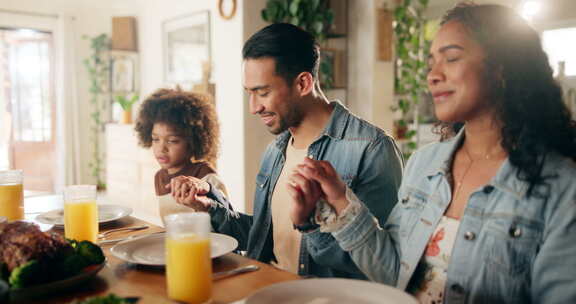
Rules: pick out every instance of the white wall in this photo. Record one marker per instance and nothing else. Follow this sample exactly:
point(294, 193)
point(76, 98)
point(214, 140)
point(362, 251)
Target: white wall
point(227, 40)
point(256, 134)
point(370, 81)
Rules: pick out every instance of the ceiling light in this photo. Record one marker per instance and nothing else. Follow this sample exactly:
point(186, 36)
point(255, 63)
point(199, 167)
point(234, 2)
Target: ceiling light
point(530, 9)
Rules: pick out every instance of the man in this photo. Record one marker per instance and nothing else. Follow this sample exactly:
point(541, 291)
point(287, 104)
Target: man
point(281, 77)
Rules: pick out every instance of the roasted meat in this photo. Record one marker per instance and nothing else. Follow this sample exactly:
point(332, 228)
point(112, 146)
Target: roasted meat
point(21, 242)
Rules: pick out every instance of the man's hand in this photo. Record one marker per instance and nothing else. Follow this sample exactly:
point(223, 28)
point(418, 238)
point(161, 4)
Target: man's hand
point(304, 193)
point(332, 187)
point(190, 191)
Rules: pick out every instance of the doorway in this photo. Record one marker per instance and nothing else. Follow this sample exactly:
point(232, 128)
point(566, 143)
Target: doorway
point(27, 107)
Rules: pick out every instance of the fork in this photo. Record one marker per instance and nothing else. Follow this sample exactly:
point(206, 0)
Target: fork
point(134, 228)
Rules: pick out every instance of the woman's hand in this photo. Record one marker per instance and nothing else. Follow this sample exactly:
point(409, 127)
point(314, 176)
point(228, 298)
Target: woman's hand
point(190, 191)
point(332, 187)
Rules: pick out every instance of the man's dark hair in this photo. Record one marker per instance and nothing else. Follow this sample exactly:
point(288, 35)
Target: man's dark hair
point(293, 50)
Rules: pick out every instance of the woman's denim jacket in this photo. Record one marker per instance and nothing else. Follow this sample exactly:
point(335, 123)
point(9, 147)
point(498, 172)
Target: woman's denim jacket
point(363, 155)
point(510, 248)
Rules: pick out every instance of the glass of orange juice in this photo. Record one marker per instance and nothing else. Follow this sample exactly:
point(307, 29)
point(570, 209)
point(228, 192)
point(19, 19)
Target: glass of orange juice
point(188, 262)
point(11, 195)
point(81, 213)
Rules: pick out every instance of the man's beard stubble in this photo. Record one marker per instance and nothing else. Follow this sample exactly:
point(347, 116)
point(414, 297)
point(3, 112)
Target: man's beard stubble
point(293, 118)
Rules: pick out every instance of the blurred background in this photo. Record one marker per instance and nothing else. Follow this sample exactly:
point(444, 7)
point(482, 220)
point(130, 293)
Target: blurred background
point(73, 72)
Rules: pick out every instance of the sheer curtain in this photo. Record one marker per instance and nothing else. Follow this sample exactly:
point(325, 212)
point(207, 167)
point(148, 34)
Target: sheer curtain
point(67, 108)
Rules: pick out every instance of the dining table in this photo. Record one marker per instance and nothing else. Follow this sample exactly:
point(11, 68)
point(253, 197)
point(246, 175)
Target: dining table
point(148, 283)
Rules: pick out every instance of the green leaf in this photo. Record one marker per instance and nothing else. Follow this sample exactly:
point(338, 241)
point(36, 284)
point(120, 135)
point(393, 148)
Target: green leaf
point(314, 4)
point(295, 20)
point(126, 103)
point(273, 13)
point(318, 26)
point(330, 17)
point(294, 7)
point(285, 5)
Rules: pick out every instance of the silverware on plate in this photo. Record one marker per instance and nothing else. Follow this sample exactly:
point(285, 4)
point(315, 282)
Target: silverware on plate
point(131, 237)
point(133, 228)
point(224, 274)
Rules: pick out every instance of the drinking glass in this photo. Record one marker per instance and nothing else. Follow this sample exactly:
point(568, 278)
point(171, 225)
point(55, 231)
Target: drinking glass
point(11, 195)
point(81, 213)
point(188, 262)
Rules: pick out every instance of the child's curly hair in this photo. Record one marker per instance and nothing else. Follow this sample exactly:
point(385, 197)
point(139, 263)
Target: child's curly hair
point(190, 114)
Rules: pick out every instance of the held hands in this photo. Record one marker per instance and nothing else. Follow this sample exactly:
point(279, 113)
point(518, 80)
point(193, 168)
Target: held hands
point(310, 181)
point(190, 191)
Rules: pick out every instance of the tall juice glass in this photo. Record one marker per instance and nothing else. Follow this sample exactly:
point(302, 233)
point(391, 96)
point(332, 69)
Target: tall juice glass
point(80, 213)
point(11, 195)
point(188, 262)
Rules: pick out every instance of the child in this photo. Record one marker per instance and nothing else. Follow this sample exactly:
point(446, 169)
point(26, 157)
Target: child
point(182, 129)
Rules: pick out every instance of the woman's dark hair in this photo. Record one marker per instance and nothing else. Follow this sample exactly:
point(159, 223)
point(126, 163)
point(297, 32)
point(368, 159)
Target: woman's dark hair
point(528, 101)
point(293, 49)
point(192, 115)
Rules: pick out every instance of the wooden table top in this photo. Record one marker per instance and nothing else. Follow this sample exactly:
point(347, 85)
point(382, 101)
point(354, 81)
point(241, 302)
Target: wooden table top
point(149, 283)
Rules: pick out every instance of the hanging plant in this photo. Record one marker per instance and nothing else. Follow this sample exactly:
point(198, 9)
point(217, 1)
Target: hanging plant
point(411, 47)
point(98, 68)
point(314, 16)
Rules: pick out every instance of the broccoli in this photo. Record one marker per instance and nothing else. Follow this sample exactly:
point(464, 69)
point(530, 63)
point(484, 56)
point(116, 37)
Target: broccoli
point(26, 274)
point(72, 265)
point(109, 299)
point(90, 252)
point(72, 242)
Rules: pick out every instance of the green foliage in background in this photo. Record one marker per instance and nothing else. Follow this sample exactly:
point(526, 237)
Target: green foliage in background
point(98, 67)
point(126, 103)
point(411, 48)
point(314, 16)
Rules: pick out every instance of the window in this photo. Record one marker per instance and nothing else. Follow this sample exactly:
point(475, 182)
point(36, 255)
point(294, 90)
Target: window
point(26, 56)
point(560, 45)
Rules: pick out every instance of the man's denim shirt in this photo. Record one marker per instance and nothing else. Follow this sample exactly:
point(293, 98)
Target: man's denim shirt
point(510, 248)
point(364, 157)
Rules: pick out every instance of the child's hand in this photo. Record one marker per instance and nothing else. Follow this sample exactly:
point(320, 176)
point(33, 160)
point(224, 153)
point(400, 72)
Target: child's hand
point(190, 191)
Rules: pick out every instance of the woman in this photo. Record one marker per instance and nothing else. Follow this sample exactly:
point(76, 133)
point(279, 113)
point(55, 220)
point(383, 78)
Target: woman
point(488, 214)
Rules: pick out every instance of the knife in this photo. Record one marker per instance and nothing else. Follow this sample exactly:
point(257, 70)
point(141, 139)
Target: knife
point(224, 274)
point(131, 237)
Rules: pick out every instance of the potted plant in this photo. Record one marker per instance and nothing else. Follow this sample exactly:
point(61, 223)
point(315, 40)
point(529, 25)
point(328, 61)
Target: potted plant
point(126, 104)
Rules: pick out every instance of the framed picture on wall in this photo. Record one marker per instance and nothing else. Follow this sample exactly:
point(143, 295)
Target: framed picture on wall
point(186, 48)
point(124, 71)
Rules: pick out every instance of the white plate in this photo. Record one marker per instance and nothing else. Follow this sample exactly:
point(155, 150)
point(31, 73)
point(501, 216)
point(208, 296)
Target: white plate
point(106, 214)
point(149, 250)
point(330, 291)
